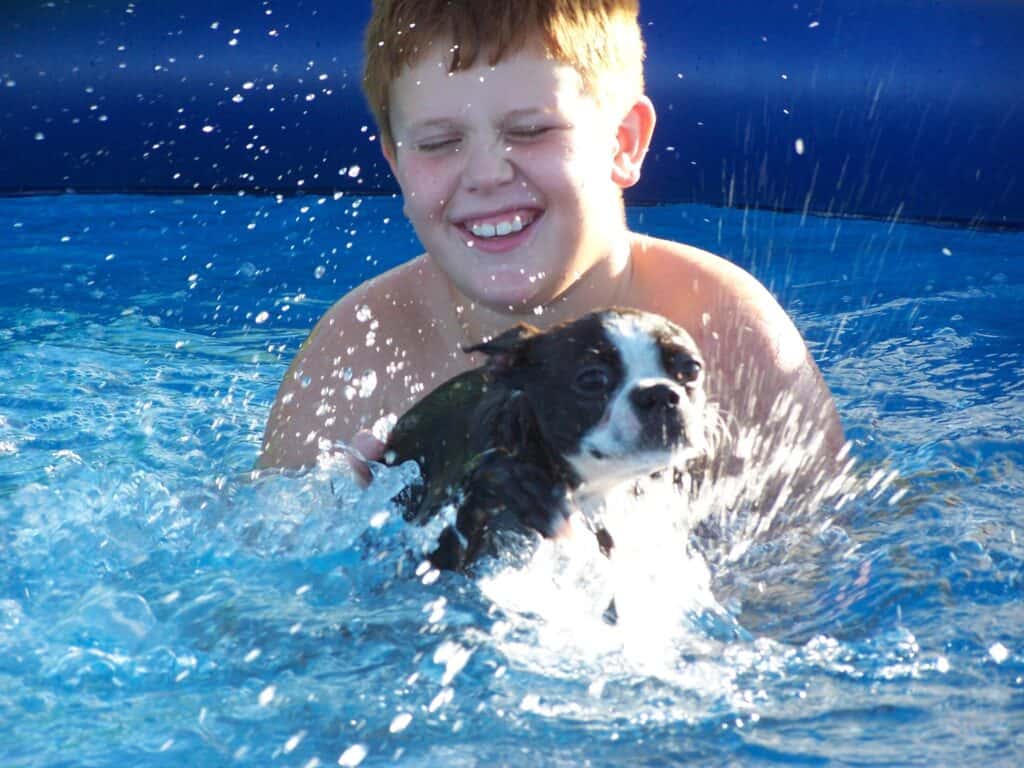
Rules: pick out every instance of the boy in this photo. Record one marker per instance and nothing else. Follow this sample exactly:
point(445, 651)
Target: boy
point(512, 129)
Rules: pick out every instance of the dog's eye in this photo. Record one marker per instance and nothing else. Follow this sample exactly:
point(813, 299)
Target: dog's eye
point(686, 370)
point(594, 380)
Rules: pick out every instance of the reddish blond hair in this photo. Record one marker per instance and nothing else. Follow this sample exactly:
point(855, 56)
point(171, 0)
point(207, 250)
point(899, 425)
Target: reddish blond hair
point(600, 39)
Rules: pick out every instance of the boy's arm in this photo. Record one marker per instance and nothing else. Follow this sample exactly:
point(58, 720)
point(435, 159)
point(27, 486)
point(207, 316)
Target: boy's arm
point(369, 356)
point(323, 401)
point(772, 387)
point(760, 371)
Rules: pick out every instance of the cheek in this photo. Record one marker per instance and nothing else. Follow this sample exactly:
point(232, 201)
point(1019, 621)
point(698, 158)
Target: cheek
point(568, 167)
point(425, 184)
point(568, 421)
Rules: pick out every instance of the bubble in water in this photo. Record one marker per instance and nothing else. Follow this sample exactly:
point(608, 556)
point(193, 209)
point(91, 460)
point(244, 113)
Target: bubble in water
point(262, 317)
point(320, 271)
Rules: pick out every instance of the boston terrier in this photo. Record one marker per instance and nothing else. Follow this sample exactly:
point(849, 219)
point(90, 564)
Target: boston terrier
point(549, 425)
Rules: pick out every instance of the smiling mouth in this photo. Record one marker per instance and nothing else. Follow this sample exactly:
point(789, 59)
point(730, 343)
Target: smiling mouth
point(502, 225)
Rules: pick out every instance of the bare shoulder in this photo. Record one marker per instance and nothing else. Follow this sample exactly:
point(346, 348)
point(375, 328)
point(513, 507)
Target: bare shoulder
point(700, 270)
point(356, 367)
point(712, 295)
point(758, 355)
point(351, 333)
point(351, 324)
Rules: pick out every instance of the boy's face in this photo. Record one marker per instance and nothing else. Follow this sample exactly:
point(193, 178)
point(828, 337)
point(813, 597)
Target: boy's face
point(506, 174)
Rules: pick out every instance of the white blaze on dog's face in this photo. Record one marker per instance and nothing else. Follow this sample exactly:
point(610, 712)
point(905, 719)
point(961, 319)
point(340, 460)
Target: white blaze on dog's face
point(653, 416)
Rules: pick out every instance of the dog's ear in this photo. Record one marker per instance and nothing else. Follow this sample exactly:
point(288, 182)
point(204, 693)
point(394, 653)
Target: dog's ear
point(514, 424)
point(506, 349)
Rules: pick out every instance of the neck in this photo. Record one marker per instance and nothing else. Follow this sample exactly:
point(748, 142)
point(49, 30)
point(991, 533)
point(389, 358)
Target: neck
point(606, 284)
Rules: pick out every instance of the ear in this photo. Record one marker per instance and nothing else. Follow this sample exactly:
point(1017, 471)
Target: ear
point(388, 150)
point(507, 348)
point(633, 139)
point(514, 423)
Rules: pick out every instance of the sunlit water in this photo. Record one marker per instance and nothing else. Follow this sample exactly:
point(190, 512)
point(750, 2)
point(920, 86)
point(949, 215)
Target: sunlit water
point(157, 607)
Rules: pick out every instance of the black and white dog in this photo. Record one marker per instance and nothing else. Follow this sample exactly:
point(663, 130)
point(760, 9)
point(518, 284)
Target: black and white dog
point(552, 422)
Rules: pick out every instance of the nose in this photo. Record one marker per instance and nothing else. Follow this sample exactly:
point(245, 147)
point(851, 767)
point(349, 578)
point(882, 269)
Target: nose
point(487, 165)
point(654, 397)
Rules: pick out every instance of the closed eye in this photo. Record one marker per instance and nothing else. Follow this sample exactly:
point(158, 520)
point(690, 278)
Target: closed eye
point(434, 145)
point(526, 133)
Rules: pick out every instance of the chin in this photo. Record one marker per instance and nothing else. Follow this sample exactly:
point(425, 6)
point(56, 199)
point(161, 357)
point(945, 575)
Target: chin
point(508, 290)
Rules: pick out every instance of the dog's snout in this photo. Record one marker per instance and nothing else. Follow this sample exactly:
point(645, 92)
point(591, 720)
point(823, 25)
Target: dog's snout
point(654, 397)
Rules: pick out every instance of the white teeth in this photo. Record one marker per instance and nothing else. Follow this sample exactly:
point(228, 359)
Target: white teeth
point(500, 229)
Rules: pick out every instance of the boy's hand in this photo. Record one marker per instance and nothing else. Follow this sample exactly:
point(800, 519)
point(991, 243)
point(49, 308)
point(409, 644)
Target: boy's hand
point(365, 447)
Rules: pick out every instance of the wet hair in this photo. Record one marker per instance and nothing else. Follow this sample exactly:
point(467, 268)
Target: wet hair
point(600, 39)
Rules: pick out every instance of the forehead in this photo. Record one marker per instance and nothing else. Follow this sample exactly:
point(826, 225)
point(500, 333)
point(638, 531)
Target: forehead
point(640, 330)
point(636, 340)
point(523, 79)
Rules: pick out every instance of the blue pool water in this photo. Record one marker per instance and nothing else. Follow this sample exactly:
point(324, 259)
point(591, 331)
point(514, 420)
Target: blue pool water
point(159, 607)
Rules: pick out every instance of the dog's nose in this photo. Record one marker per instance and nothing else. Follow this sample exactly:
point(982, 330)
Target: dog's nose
point(654, 397)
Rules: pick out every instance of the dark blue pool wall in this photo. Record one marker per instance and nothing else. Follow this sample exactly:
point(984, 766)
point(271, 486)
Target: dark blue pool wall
point(911, 109)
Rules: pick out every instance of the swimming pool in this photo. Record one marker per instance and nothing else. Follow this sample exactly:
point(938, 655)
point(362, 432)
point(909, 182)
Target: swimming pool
point(158, 607)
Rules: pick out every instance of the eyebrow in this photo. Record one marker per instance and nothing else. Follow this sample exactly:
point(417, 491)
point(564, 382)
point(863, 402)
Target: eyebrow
point(437, 122)
point(448, 122)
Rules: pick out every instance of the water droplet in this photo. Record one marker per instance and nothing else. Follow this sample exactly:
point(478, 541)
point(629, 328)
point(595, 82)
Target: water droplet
point(400, 723)
point(352, 756)
point(999, 652)
point(368, 383)
point(267, 695)
point(293, 742)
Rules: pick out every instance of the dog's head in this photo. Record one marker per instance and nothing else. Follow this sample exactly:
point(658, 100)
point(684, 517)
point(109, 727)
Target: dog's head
point(616, 394)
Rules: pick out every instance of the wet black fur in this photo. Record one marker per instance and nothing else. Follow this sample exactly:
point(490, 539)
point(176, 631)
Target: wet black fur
point(491, 440)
